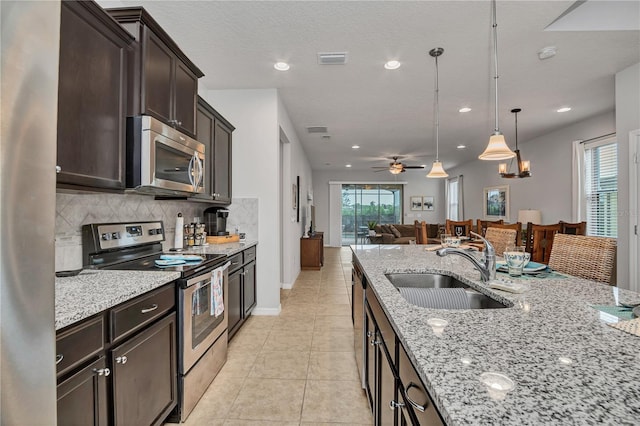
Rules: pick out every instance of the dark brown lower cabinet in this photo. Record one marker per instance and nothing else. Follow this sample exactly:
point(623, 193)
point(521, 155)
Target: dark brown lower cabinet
point(234, 301)
point(82, 398)
point(249, 288)
point(143, 363)
point(242, 289)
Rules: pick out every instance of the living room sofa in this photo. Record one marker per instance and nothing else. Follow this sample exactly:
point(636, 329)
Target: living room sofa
point(404, 233)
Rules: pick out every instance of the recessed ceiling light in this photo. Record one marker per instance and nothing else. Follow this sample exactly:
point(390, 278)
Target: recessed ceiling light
point(461, 146)
point(282, 66)
point(547, 52)
point(564, 109)
point(464, 109)
point(347, 165)
point(392, 65)
point(355, 147)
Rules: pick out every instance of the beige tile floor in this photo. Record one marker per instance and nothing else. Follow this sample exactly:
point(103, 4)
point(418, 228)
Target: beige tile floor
point(297, 368)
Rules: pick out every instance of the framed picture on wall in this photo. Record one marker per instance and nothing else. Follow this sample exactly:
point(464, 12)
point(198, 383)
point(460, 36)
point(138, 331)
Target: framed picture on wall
point(427, 203)
point(496, 202)
point(415, 202)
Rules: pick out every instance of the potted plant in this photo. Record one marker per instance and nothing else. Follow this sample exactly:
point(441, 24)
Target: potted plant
point(372, 228)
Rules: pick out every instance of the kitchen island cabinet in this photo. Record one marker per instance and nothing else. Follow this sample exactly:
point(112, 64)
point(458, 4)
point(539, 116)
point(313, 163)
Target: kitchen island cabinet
point(92, 94)
point(568, 365)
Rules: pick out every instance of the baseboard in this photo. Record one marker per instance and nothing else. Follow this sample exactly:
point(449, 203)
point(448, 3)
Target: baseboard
point(287, 286)
point(267, 311)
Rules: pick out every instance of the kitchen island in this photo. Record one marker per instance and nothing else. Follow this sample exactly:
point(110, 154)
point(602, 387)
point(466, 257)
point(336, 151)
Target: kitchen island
point(569, 366)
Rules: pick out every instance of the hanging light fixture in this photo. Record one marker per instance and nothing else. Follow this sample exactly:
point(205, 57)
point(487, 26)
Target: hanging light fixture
point(436, 170)
point(497, 148)
point(524, 167)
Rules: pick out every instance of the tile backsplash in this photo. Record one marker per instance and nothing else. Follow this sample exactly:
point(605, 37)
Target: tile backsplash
point(75, 210)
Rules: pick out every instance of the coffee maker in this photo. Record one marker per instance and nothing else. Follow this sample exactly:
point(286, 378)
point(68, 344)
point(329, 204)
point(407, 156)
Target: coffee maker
point(215, 219)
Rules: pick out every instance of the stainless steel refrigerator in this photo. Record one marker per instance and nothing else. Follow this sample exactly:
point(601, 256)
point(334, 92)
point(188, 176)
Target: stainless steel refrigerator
point(29, 78)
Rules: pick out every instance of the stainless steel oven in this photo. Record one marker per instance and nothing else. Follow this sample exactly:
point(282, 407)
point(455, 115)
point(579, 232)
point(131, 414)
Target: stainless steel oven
point(162, 160)
point(203, 341)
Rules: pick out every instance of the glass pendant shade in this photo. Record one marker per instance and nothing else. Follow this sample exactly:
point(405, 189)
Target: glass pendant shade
point(395, 169)
point(497, 149)
point(437, 171)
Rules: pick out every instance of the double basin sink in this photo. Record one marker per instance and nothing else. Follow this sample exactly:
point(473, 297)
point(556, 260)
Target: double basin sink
point(476, 299)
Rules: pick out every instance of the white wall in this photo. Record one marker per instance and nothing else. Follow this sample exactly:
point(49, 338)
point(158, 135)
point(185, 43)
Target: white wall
point(627, 119)
point(549, 189)
point(417, 184)
point(259, 172)
point(295, 164)
point(254, 113)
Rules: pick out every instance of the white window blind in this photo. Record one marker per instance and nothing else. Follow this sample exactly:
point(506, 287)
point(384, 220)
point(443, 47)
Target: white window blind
point(601, 188)
point(453, 192)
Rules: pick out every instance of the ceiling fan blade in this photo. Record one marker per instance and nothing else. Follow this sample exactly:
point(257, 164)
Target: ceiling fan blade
point(414, 167)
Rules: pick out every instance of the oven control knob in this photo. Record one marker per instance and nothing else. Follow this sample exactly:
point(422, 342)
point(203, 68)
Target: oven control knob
point(159, 231)
point(152, 232)
point(106, 236)
point(115, 235)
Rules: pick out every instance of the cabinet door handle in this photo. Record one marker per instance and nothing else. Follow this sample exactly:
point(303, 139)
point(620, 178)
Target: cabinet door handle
point(393, 405)
point(245, 273)
point(412, 402)
point(102, 372)
point(375, 342)
point(59, 358)
point(369, 333)
point(121, 360)
point(149, 309)
point(58, 169)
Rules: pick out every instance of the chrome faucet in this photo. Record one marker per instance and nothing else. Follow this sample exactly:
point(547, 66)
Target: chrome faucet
point(488, 269)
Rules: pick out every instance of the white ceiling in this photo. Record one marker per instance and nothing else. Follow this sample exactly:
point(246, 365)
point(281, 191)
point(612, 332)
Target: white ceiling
point(236, 43)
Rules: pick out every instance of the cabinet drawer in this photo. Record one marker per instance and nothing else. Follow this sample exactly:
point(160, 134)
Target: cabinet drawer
point(236, 262)
point(415, 394)
point(249, 255)
point(137, 313)
point(78, 344)
point(386, 331)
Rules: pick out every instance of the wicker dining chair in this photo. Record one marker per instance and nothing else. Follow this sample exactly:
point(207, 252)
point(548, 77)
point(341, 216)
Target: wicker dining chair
point(579, 228)
point(465, 225)
point(539, 241)
point(482, 225)
point(515, 226)
point(501, 238)
point(583, 256)
point(421, 232)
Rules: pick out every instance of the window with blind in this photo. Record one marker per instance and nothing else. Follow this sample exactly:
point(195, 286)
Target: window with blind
point(453, 199)
point(601, 188)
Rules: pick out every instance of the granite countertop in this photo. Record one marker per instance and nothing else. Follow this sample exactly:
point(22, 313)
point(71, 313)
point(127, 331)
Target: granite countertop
point(569, 366)
point(228, 248)
point(93, 291)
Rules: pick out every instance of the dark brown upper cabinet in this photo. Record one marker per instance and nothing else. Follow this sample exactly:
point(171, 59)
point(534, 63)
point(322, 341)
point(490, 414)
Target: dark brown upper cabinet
point(163, 81)
point(215, 132)
point(92, 94)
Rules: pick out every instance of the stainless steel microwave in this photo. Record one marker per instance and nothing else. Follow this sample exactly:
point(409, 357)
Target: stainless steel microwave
point(162, 160)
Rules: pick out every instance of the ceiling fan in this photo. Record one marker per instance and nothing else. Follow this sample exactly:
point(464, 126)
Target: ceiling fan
point(396, 167)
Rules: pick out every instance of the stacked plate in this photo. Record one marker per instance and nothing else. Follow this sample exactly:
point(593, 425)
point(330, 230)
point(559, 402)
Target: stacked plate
point(531, 268)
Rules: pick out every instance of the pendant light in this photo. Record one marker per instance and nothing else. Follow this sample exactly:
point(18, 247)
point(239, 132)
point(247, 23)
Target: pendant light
point(497, 148)
point(524, 167)
point(436, 170)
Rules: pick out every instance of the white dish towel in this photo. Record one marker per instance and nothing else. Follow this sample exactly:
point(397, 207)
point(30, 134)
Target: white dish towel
point(217, 285)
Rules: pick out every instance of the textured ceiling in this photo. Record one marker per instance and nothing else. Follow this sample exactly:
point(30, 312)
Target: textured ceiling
point(236, 43)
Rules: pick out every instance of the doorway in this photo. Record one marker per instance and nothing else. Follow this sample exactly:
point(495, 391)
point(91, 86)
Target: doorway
point(364, 203)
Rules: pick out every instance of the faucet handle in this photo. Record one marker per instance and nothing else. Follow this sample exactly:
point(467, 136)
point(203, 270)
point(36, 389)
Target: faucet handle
point(488, 246)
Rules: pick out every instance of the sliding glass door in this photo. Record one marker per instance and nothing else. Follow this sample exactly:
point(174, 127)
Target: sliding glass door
point(364, 203)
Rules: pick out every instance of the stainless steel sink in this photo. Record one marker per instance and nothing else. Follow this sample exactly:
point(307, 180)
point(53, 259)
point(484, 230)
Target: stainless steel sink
point(477, 300)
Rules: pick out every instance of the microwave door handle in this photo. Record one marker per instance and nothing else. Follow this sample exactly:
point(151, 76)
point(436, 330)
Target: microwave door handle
point(190, 172)
point(200, 173)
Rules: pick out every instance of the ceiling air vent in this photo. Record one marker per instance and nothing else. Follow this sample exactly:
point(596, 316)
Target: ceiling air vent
point(317, 129)
point(332, 58)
